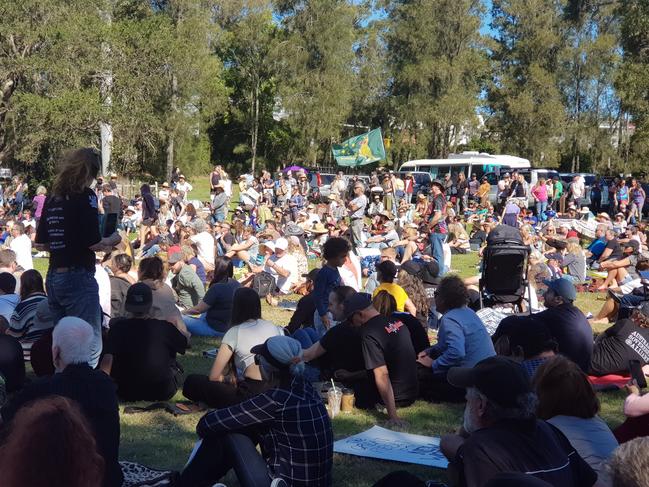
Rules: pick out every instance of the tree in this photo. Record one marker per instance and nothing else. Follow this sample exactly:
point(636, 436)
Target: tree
point(317, 70)
point(524, 100)
point(632, 82)
point(437, 68)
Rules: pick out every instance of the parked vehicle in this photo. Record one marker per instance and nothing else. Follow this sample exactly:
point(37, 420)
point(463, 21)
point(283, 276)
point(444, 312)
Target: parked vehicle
point(421, 179)
point(589, 182)
point(531, 177)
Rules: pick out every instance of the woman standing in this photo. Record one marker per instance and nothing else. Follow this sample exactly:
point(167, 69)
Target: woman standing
point(637, 197)
point(69, 230)
point(540, 194)
point(39, 202)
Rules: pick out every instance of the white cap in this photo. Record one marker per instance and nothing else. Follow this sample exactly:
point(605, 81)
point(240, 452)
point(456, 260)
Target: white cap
point(269, 245)
point(281, 244)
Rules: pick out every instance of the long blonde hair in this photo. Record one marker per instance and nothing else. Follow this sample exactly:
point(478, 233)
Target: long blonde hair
point(575, 248)
point(76, 171)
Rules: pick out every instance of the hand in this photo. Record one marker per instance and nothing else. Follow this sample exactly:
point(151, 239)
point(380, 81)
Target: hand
point(396, 423)
point(326, 321)
point(425, 360)
point(632, 387)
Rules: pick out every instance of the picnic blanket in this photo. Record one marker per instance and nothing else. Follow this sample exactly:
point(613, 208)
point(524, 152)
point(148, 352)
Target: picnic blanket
point(609, 381)
point(385, 444)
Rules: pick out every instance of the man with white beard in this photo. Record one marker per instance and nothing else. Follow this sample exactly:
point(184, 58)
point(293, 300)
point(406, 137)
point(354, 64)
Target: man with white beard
point(502, 434)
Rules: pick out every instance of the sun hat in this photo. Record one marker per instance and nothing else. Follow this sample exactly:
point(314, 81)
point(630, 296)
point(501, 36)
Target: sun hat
point(281, 244)
point(318, 228)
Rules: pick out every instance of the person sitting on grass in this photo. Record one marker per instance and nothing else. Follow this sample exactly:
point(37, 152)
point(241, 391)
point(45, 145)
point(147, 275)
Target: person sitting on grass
point(72, 344)
point(215, 309)
point(386, 273)
point(385, 304)
point(388, 354)
point(140, 351)
point(462, 340)
point(621, 271)
point(185, 282)
point(567, 401)
point(303, 315)
point(289, 422)
point(334, 252)
point(227, 384)
point(501, 433)
point(627, 339)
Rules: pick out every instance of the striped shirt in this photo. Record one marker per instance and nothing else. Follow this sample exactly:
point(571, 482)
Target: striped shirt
point(23, 324)
point(297, 439)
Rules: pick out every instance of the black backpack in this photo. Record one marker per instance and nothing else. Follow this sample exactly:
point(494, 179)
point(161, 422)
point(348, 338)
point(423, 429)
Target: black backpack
point(264, 283)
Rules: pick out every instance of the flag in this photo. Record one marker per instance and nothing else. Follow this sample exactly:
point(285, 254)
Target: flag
point(360, 150)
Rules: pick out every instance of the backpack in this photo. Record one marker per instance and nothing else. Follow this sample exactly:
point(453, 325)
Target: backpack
point(156, 204)
point(264, 283)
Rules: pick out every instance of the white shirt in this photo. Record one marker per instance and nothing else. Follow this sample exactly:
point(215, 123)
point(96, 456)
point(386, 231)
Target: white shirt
point(204, 246)
point(22, 246)
point(349, 278)
point(289, 263)
point(185, 188)
point(103, 281)
point(577, 187)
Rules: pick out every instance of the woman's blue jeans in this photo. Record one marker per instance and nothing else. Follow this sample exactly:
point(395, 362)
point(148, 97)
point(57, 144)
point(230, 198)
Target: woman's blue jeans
point(75, 292)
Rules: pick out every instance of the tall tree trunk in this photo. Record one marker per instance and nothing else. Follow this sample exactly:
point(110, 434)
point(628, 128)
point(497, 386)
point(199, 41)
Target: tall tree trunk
point(255, 124)
point(170, 141)
point(106, 89)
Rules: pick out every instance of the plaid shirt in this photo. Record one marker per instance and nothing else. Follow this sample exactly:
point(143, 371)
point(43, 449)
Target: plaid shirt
point(298, 441)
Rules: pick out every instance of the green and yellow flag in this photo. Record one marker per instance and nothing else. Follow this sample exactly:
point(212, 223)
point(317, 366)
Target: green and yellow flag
point(360, 150)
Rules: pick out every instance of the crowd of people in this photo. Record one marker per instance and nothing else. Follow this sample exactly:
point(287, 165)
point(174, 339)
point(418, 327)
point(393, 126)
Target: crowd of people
point(373, 266)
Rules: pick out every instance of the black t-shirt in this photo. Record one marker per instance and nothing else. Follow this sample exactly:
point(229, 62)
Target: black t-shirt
point(418, 334)
point(620, 343)
point(111, 204)
point(143, 352)
point(614, 245)
point(533, 447)
point(303, 315)
point(389, 344)
point(70, 225)
point(344, 348)
point(571, 330)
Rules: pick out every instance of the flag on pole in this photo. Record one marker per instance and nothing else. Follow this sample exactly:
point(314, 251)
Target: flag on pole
point(360, 150)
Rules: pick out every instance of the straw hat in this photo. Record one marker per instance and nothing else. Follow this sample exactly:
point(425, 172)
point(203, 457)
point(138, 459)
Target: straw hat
point(318, 228)
point(604, 215)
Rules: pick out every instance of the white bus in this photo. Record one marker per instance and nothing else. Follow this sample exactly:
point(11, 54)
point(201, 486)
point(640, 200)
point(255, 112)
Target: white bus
point(469, 163)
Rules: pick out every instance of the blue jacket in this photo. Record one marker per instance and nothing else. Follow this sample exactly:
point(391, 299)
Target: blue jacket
point(462, 340)
point(327, 279)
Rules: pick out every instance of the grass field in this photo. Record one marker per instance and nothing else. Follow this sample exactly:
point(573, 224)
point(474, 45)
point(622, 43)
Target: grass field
point(162, 441)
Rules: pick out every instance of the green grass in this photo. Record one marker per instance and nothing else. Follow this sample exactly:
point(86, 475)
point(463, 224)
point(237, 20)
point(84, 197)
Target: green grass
point(162, 441)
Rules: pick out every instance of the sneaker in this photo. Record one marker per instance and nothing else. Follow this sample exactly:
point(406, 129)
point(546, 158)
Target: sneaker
point(278, 483)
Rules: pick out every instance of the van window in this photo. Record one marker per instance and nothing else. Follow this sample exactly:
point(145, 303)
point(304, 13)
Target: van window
point(491, 177)
point(458, 169)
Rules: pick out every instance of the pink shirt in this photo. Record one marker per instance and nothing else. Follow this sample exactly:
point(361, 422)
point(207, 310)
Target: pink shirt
point(540, 192)
point(39, 202)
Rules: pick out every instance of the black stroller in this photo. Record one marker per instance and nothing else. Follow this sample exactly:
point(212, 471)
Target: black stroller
point(504, 269)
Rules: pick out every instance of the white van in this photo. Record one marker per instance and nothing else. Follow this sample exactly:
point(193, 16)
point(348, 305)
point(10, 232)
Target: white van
point(467, 162)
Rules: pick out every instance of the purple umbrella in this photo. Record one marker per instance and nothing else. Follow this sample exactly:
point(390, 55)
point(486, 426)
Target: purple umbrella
point(294, 168)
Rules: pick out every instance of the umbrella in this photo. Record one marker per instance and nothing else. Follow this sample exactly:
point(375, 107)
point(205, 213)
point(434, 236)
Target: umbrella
point(294, 168)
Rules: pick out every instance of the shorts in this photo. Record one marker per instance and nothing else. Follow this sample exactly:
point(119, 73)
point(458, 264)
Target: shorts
point(147, 222)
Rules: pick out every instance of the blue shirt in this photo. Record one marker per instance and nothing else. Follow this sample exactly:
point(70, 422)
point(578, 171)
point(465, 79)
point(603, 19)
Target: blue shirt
point(462, 340)
point(327, 279)
point(597, 247)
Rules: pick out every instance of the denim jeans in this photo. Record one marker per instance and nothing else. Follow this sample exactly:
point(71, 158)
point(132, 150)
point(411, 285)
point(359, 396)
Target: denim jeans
point(200, 327)
point(541, 206)
point(437, 246)
point(76, 293)
point(151, 251)
point(306, 336)
point(318, 325)
point(216, 455)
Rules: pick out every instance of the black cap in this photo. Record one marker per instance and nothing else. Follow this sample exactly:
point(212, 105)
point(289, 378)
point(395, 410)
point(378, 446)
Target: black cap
point(387, 268)
point(501, 379)
point(633, 244)
point(356, 302)
point(138, 298)
point(411, 267)
point(430, 272)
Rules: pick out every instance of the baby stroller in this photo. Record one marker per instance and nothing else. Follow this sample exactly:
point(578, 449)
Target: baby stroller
point(504, 269)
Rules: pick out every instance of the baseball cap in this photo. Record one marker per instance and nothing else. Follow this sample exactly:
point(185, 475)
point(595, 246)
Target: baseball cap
point(175, 257)
point(138, 298)
point(633, 244)
point(499, 378)
point(270, 245)
point(562, 287)
point(281, 244)
point(356, 302)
